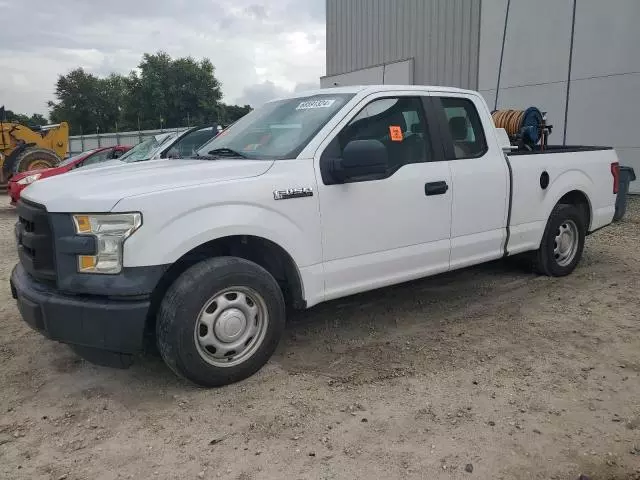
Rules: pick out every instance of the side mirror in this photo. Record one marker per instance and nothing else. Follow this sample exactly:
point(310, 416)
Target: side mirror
point(361, 158)
point(173, 153)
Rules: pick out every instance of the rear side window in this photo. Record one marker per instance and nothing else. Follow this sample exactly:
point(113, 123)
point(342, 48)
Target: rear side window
point(465, 127)
point(99, 157)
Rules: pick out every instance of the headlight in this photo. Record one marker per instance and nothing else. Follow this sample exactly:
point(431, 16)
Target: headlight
point(110, 230)
point(29, 179)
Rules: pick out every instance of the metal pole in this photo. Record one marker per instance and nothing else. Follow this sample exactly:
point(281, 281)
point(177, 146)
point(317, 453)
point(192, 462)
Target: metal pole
point(2, 126)
point(566, 105)
point(504, 37)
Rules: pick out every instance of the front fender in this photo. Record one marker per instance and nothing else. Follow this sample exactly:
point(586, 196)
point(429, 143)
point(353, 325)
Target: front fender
point(165, 240)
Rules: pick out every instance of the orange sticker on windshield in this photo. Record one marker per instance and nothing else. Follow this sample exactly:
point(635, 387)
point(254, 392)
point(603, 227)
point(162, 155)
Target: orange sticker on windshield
point(396, 133)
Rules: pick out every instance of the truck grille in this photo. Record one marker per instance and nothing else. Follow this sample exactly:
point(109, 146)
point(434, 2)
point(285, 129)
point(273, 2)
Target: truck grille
point(35, 241)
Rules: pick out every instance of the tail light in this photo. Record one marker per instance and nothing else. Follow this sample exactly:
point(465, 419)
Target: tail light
point(615, 172)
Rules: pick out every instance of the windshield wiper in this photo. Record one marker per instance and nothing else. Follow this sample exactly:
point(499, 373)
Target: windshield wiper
point(226, 152)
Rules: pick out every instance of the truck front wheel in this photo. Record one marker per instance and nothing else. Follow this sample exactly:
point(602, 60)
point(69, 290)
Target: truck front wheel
point(562, 242)
point(220, 321)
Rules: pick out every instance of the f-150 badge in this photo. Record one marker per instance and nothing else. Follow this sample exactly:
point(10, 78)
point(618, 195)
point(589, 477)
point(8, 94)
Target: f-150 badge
point(292, 193)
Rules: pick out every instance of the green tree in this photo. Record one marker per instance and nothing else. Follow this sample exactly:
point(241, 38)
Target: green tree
point(87, 102)
point(172, 92)
point(232, 113)
point(31, 121)
point(162, 92)
point(37, 119)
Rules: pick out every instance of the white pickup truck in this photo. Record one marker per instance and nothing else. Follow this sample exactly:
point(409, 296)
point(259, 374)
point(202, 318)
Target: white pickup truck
point(306, 199)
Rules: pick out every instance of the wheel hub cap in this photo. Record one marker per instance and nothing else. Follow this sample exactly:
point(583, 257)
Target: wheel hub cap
point(566, 243)
point(230, 325)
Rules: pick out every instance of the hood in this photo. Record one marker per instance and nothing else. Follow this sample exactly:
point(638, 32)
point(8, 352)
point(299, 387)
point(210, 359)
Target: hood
point(100, 189)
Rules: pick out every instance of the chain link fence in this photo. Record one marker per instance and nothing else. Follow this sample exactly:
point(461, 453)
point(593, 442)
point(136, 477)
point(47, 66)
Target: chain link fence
point(82, 143)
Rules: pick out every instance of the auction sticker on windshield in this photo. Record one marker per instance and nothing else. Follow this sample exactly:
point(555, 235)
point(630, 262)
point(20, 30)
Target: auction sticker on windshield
point(315, 104)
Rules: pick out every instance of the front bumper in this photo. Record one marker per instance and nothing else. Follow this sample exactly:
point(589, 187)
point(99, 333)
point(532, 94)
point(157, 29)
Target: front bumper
point(86, 320)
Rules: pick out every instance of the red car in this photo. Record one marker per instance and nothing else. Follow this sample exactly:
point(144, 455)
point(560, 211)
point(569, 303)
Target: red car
point(21, 180)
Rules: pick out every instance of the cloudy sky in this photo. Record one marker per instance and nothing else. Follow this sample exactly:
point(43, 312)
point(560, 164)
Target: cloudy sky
point(260, 48)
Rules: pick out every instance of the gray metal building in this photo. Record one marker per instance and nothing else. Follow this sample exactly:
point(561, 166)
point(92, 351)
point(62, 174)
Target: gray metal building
point(579, 60)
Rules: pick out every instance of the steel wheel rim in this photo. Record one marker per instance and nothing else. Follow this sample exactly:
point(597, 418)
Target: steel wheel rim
point(566, 243)
point(231, 326)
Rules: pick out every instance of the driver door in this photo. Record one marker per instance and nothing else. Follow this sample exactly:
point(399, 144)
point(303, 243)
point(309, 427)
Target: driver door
point(377, 232)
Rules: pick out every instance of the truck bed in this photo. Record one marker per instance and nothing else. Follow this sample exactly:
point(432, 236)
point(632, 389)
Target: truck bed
point(585, 169)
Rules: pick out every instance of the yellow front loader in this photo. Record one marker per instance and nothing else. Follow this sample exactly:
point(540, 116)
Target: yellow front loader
point(23, 148)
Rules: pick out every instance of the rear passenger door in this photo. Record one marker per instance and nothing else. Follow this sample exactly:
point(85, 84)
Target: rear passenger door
point(394, 227)
point(480, 179)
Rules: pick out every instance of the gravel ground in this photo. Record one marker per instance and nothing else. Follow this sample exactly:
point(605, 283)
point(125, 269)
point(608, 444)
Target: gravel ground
point(489, 373)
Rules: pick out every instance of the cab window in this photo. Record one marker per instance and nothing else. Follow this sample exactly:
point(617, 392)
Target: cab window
point(398, 123)
point(465, 128)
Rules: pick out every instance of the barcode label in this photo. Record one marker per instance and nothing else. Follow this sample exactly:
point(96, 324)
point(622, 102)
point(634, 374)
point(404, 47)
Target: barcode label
point(315, 104)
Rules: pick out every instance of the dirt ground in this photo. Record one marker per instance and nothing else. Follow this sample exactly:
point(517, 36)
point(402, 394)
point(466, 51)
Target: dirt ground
point(489, 373)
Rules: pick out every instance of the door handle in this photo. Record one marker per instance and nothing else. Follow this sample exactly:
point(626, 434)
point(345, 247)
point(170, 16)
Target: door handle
point(435, 188)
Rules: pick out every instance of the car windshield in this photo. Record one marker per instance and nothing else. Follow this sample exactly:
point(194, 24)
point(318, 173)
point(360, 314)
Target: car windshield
point(190, 142)
point(277, 130)
point(76, 157)
point(145, 150)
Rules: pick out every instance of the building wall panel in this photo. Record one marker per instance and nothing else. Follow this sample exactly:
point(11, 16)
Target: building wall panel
point(607, 38)
point(441, 36)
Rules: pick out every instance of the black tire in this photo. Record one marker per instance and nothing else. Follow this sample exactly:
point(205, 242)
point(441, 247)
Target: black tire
point(179, 313)
point(545, 261)
point(38, 157)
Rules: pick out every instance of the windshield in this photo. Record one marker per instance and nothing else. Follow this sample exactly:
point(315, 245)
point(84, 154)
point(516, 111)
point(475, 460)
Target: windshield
point(144, 150)
point(76, 157)
point(189, 144)
point(277, 130)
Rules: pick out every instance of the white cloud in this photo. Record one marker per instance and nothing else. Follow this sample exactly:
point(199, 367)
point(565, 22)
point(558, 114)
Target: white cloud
point(259, 47)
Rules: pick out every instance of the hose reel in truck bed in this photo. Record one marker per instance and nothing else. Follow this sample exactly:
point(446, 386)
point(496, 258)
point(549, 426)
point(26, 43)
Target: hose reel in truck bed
point(527, 129)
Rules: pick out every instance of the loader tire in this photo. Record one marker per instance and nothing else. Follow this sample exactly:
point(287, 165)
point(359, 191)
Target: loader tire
point(35, 159)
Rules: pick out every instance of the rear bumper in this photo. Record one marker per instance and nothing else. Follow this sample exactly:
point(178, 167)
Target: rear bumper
point(88, 321)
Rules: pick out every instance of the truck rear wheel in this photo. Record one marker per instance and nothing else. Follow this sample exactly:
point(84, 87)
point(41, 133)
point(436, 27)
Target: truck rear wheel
point(562, 243)
point(220, 321)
